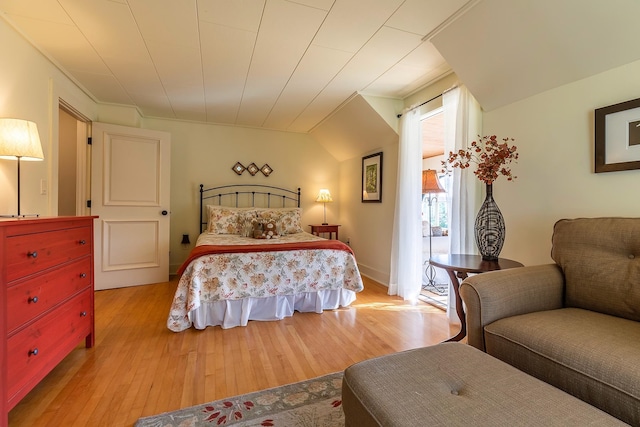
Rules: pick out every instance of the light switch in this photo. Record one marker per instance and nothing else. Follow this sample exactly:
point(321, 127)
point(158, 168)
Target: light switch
point(43, 187)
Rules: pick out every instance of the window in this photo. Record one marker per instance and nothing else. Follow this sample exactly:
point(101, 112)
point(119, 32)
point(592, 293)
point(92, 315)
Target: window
point(432, 130)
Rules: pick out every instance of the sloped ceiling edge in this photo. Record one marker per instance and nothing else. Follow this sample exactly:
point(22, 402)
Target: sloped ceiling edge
point(505, 51)
point(356, 129)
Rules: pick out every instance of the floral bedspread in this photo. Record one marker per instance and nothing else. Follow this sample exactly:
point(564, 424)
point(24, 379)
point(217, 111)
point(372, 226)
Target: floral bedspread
point(217, 277)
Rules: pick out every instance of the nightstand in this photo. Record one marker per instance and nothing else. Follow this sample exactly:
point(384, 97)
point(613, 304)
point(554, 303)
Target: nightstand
point(327, 228)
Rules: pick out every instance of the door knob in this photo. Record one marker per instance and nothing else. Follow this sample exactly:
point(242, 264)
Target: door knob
point(164, 212)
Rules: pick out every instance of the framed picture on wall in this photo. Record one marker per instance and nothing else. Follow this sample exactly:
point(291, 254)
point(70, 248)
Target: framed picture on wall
point(617, 137)
point(372, 178)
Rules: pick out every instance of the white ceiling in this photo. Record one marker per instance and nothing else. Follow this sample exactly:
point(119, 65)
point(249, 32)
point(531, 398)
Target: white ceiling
point(289, 64)
point(277, 64)
point(507, 50)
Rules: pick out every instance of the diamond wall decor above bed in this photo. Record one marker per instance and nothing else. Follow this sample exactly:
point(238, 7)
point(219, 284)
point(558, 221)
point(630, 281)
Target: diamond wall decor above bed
point(238, 168)
point(253, 169)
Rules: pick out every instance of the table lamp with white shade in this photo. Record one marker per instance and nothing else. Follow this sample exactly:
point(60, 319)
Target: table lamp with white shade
point(19, 139)
point(324, 196)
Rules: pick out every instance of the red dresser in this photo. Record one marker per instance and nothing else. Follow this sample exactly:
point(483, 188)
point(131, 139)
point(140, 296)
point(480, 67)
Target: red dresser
point(46, 285)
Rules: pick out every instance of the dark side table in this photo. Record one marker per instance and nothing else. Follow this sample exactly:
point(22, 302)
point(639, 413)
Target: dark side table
point(458, 266)
point(317, 229)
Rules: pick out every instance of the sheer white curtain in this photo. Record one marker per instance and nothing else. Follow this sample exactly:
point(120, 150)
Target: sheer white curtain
point(406, 250)
point(462, 124)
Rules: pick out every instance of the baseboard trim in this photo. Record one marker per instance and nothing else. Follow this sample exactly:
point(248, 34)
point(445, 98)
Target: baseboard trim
point(373, 274)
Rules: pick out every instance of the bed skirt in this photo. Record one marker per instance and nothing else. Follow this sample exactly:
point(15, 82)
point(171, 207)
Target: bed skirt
point(231, 313)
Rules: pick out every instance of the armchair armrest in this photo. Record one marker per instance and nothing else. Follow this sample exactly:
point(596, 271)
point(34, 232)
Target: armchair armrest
point(498, 294)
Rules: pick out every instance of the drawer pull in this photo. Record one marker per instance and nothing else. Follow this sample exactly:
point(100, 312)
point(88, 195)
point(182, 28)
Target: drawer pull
point(33, 352)
point(83, 314)
point(33, 299)
point(33, 254)
point(83, 242)
point(83, 275)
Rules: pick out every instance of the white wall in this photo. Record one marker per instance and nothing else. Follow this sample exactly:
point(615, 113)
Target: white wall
point(554, 133)
point(30, 87)
point(369, 226)
point(364, 125)
point(205, 153)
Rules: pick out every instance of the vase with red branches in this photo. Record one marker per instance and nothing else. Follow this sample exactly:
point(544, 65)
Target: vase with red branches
point(492, 157)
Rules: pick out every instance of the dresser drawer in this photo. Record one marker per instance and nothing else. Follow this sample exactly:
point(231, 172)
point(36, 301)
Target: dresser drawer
point(34, 351)
point(32, 297)
point(29, 253)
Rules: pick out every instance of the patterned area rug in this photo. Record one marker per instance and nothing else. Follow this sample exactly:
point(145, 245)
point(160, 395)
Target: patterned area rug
point(316, 402)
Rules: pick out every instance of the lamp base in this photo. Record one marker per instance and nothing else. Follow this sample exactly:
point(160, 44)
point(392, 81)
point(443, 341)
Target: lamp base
point(430, 284)
point(325, 223)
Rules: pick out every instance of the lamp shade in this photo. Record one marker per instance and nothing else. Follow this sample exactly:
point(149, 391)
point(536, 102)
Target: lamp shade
point(430, 182)
point(324, 196)
point(19, 139)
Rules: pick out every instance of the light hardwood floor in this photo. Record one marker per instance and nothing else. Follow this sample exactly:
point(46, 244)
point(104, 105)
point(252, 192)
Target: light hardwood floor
point(140, 368)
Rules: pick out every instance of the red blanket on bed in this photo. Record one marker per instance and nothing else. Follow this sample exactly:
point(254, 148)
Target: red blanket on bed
point(221, 249)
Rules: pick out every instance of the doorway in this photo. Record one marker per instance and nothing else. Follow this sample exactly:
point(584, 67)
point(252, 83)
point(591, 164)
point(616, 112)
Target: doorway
point(127, 174)
point(73, 162)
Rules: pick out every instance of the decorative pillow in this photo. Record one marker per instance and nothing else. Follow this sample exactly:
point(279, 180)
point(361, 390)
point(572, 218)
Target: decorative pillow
point(288, 220)
point(225, 220)
point(230, 220)
point(291, 221)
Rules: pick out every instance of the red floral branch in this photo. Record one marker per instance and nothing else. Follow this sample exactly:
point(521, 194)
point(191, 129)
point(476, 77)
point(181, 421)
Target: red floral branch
point(490, 156)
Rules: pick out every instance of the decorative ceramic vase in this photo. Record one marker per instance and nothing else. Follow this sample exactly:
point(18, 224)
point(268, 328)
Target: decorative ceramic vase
point(490, 229)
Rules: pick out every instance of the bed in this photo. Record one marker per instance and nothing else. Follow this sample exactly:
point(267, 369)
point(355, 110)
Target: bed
point(241, 270)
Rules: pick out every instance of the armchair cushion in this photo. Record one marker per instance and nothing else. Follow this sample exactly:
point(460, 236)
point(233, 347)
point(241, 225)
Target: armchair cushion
point(600, 259)
point(499, 294)
point(590, 355)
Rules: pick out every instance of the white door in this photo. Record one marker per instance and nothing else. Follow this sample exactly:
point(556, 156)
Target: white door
point(130, 194)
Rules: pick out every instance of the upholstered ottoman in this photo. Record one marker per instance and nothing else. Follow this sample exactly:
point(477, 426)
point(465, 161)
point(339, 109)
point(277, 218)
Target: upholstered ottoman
point(454, 384)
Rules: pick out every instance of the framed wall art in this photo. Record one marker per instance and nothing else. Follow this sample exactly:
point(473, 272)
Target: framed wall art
point(372, 178)
point(617, 137)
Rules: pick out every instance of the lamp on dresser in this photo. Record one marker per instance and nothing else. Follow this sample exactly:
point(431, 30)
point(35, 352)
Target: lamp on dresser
point(19, 139)
point(324, 196)
point(431, 187)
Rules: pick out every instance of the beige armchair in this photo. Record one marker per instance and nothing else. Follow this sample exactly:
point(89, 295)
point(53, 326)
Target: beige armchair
point(574, 324)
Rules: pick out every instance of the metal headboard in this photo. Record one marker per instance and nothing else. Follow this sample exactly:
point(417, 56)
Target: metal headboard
point(246, 194)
